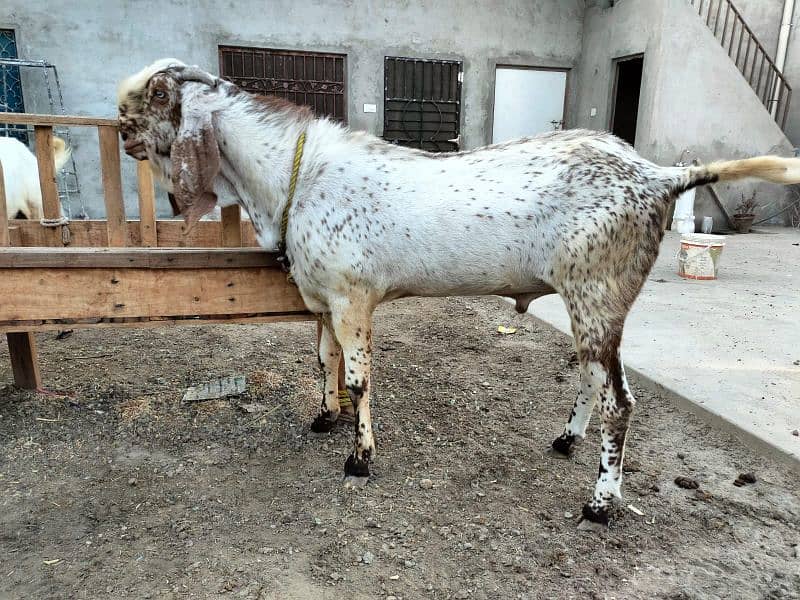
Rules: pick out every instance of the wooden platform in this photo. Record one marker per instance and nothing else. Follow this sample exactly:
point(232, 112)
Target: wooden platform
point(45, 288)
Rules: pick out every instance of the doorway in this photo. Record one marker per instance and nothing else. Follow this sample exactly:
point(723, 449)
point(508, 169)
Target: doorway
point(627, 88)
point(527, 101)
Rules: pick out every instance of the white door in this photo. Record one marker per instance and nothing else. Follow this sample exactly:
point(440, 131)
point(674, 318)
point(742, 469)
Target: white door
point(527, 102)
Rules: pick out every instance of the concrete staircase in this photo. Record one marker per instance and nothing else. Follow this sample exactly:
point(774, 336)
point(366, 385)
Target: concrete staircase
point(748, 54)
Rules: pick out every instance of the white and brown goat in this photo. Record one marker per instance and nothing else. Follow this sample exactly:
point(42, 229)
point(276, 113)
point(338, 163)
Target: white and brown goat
point(573, 212)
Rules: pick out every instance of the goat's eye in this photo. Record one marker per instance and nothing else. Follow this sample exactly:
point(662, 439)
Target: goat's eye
point(160, 94)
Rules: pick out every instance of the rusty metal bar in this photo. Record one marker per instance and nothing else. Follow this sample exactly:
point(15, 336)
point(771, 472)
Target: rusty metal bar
point(760, 74)
point(786, 106)
point(725, 28)
point(716, 18)
point(747, 59)
point(739, 50)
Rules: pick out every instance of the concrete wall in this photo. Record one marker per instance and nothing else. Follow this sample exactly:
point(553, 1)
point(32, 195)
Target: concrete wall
point(693, 97)
point(94, 44)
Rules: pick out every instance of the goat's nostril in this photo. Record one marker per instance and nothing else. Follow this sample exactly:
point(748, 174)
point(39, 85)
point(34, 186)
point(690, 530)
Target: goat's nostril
point(124, 136)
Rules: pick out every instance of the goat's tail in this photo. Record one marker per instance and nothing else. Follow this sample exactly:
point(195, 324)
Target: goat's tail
point(774, 169)
point(61, 152)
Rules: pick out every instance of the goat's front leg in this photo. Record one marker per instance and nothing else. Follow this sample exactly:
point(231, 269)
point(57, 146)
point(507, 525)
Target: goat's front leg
point(353, 327)
point(330, 354)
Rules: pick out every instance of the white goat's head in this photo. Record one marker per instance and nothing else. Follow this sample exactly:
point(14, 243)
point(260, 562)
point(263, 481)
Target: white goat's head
point(181, 147)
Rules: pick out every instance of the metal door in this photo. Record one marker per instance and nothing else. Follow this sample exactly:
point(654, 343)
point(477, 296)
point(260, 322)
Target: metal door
point(422, 103)
point(527, 101)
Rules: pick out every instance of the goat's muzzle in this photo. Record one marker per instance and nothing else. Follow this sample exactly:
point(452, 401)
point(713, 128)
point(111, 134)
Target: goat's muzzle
point(135, 148)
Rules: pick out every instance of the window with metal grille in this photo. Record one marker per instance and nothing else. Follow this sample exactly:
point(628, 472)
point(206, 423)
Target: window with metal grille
point(11, 86)
point(315, 79)
point(422, 103)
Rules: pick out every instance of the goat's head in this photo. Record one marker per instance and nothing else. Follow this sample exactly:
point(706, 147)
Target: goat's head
point(154, 124)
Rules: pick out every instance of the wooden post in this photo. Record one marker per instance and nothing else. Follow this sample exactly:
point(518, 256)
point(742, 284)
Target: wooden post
point(51, 206)
point(231, 226)
point(21, 346)
point(24, 361)
point(112, 185)
point(147, 204)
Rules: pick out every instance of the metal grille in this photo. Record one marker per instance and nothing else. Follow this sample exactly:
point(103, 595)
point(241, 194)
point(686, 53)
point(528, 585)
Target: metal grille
point(422, 103)
point(11, 86)
point(314, 79)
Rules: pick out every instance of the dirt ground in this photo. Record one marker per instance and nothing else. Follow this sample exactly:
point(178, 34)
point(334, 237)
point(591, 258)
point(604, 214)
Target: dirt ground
point(117, 489)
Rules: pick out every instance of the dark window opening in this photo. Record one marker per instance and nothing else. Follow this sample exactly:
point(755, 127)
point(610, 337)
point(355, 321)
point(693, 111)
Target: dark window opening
point(314, 79)
point(11, 86)
point(627, 88)
point(422, 103)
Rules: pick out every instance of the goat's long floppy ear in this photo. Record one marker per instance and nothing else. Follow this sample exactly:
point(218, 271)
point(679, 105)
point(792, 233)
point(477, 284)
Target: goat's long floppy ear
point(195, 163)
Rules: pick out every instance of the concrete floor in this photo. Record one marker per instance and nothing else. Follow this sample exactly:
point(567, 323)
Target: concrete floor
point(729, 349)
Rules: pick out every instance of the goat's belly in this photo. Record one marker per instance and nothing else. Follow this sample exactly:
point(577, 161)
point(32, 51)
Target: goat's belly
point(464, 274)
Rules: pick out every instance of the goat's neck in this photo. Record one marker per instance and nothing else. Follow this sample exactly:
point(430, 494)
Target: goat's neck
point(257, 152)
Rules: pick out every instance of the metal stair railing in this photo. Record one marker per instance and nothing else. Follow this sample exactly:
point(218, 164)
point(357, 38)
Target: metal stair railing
point(726, 23)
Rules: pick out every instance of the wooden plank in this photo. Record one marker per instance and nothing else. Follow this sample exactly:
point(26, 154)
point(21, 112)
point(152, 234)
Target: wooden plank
point(151, 323)
point(231, 226)
point(92, 233)
point(5, 236)
point(51, 206)
point(206, 234)
point(21, 344)
point(50, 120)
point(112, 185)
point(147, 204)
point(24, 361)
point(42, 294)
point(140, 258)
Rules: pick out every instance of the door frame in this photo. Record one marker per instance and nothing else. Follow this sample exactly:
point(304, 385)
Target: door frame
point(612, 102)
point(527, 67)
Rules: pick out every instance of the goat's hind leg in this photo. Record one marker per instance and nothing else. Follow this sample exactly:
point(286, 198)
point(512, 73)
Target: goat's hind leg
point(330, 355)
point(616, 408)
point(597, 329)
point(575, 428)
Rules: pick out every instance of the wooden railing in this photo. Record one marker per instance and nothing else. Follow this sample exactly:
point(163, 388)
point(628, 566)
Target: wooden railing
point(115, 230)
point(118, 272)
point(738, 40)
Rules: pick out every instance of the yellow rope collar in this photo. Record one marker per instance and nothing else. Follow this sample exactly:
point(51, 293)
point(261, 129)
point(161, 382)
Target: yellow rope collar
point(298, 157)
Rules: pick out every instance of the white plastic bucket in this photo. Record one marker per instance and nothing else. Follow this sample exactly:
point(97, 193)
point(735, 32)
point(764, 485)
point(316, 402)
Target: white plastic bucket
point(699, 255)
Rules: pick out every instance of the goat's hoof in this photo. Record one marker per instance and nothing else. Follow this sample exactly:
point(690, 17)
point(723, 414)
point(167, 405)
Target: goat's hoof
point(353, 467)
point(590, 526)
point(323, 424)
point(597, 516)
point(563, 446)
point(354, 482)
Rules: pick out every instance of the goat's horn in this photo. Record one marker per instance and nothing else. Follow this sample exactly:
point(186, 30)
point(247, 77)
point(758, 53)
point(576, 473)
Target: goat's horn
point(195, 73)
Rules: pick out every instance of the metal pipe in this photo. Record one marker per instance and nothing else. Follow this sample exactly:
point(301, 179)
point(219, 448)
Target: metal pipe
point(783, 42)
